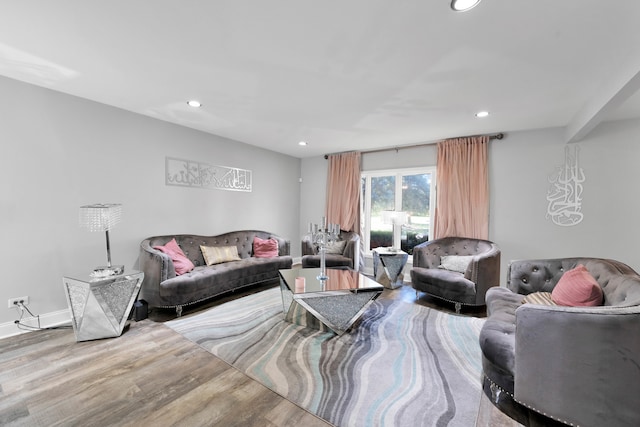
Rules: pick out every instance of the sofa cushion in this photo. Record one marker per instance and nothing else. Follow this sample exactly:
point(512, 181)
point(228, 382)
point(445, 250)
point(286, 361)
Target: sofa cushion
point(181, 263)
point(207, 281)
point(457, 263)
point(265, 248)
point(219, 254)
point(331, 260)
point(577, 287)
point(446, 284)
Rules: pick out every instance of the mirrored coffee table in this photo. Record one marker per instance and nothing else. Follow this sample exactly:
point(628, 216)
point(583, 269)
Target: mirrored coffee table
point(334, 304)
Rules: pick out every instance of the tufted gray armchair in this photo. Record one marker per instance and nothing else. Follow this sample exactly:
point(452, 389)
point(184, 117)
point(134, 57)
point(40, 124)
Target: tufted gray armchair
point(467, 285)
point(350, 257)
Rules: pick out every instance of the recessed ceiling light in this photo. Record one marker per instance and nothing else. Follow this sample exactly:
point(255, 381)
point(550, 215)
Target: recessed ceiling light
point(463, 5)
point(481, 114)
point(302, 143)
point(193, 103)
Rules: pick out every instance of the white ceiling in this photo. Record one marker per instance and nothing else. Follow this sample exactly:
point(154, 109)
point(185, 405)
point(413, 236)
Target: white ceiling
point(339, 74)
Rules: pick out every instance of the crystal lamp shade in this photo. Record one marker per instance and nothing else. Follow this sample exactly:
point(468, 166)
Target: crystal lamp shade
point(394, 217)
point(100, 217)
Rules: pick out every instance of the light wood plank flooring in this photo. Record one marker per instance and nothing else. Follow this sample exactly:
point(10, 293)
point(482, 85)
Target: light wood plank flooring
point(148, 376)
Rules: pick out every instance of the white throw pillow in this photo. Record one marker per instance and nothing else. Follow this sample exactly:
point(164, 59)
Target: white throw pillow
point(457, 263)
point(336, 247)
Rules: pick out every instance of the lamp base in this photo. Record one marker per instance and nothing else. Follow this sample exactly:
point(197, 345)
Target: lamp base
point(108, 270)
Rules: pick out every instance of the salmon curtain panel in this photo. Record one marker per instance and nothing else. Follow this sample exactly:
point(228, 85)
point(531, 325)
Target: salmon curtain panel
point(462, 197)
point(343, 191)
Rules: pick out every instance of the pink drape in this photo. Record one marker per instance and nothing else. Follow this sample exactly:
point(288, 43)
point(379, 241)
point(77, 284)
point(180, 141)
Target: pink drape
point(343, 191)
point(462, 198)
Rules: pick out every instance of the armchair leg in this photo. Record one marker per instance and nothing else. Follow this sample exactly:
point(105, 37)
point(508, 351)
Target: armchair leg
point(458, 307)
point(178, 310)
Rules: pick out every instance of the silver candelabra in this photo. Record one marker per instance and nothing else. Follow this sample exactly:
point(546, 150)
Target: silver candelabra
point(321, 235)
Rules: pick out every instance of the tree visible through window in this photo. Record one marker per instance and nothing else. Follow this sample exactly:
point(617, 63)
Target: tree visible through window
point(411, 191)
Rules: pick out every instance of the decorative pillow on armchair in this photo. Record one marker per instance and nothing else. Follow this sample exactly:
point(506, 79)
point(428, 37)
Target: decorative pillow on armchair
point(457, 263)
point(265, 248)
point(336, 247)
point(577, 287)
point(181, 263)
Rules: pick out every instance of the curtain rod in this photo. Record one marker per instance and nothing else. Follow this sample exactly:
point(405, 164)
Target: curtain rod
point(400, 147)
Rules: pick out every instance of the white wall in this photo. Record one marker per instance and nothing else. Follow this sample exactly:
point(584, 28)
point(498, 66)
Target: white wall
point(61, 152)
point(520, 166)
point(313, 172)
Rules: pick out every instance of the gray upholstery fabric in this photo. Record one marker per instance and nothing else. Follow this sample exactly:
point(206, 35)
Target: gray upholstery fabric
point(162, 288)
point(469, 288)
point(578, 365)
point(350, 257)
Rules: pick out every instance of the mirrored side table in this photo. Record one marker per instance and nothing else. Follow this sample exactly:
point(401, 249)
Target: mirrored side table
point(388, 264)
point(100, 306)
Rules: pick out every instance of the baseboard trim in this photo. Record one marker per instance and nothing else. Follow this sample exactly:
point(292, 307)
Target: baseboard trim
point(48, 320)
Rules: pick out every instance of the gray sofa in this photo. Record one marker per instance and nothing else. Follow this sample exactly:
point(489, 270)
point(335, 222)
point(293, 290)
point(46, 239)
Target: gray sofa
point(553, 365)
point(163, 288)
point(466, 286)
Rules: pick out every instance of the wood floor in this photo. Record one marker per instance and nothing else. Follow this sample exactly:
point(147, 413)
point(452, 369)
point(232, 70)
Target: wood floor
point(148, 376)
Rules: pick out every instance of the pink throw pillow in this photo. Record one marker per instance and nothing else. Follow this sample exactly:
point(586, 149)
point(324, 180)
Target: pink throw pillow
point(577, 287)
point(181, 263)
point(265, 248)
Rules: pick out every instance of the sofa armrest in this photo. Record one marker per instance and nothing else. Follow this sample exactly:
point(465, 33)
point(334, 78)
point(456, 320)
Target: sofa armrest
point(307, 246)
point(157, 267)
point(572, 362)
point(484, 271)
point(352, 250)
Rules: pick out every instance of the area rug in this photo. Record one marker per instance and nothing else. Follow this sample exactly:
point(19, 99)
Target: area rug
point(401, 365)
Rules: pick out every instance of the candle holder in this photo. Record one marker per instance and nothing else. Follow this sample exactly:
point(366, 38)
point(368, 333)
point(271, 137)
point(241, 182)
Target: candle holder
point(321, 235)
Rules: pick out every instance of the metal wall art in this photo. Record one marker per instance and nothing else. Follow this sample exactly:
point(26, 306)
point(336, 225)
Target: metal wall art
point(565, 191)
point(188, 173)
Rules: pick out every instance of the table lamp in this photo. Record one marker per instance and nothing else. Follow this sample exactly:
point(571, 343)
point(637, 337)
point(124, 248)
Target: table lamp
point(102, 217)
point(397, 219)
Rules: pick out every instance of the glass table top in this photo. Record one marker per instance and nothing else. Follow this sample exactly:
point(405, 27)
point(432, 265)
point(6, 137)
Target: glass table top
point(304, 280)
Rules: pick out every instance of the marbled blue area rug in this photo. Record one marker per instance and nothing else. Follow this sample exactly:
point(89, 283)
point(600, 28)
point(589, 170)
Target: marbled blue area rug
point(401, 365)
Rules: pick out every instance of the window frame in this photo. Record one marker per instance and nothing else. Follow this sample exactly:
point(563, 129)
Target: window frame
point(398, 173)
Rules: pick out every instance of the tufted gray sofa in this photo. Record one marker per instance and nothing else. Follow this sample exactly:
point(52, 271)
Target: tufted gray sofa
point(466, 288)
point(553, 365)
point(163, 288)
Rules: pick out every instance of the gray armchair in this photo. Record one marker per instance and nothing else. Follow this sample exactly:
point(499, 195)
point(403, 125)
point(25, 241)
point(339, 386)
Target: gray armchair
point(472, 266)
point(350, 256)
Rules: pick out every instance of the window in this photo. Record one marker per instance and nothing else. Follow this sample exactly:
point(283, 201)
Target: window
point(408, 190)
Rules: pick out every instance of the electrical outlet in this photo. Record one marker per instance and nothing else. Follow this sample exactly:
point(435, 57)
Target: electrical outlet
point(13, 302)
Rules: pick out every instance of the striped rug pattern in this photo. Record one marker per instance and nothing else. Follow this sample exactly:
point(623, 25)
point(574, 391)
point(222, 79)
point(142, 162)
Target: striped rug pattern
point(401, 365)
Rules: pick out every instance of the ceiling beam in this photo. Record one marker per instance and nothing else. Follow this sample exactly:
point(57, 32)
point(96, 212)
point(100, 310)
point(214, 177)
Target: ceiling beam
point(601, 105)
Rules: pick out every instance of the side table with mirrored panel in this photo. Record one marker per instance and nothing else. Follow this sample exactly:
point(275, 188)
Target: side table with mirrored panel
point(388, 264)
point(100, 306)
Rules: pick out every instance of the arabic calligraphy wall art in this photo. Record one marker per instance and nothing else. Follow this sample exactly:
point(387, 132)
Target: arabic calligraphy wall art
point(565, 191)
point(188, 173)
